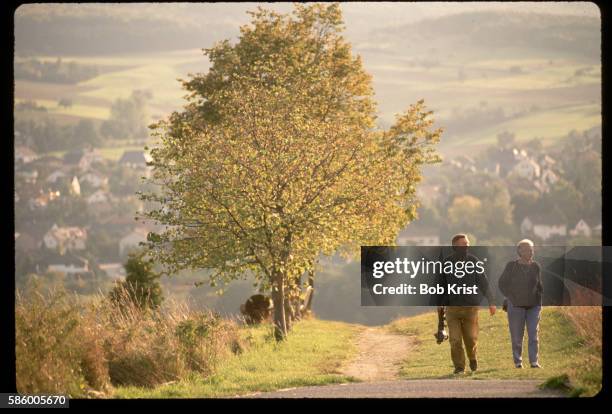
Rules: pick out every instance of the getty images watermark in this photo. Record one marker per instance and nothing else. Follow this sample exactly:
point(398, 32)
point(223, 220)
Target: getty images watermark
point(476, 275)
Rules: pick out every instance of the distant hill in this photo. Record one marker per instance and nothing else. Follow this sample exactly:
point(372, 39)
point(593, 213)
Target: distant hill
point(90, 29)
point(577, 36)
point(95, 30)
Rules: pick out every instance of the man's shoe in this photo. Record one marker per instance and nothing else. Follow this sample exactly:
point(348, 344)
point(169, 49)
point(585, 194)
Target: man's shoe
point(519, 365)
point(459, 371)
point(474, 365)
point(536, 365)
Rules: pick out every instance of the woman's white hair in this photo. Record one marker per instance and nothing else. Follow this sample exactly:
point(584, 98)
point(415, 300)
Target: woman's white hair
point(525, 241)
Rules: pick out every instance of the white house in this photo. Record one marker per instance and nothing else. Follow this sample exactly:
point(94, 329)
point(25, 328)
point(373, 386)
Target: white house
point(419, 236)
point(65, 238)
point(97, 197)
point(527, 168)
point(68, 264)
point(132, 240)
point(135, 159)
point(581, 228)
point(546, 231)
point(543, 227)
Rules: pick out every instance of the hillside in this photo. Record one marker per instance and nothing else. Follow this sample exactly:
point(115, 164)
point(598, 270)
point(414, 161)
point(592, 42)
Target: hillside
point(537, 75)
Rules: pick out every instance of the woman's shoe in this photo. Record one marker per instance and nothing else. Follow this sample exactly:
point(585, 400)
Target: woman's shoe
point(536, 365)
point(519, 365)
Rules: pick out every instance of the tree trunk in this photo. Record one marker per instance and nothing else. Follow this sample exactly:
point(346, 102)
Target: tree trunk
point(308, 304)
point(278, 298)
point(288, 314)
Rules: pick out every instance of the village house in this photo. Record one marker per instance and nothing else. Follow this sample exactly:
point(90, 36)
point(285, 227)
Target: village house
point(55, 176)
point(527, 168)
point(135, 159)
point(67, 264)
point(544, 227)
point(94, 179)
point(114, 271)
point(583, 228)
point(28, 174)
point(131, 241)
point(24, 155)
point(546, 161)
point(417, 235)
point(549, 177)
point(82, 158)
point(42, 200)
point(89, 158)
point(65, 238)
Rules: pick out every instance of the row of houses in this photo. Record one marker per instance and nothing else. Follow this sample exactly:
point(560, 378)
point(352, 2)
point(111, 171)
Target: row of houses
point(546, 228)
point(64, 247)
point(541, 169)
point(540, 228)
point(75, 169)
point(71, 238)
point(84, 159)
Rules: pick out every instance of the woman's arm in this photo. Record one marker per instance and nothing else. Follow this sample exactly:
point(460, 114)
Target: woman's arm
point(504, 280)
point(539, 284)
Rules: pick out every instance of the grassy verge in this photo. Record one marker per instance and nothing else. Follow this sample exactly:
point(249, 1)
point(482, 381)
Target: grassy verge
point(310, 356)
point(568, 357)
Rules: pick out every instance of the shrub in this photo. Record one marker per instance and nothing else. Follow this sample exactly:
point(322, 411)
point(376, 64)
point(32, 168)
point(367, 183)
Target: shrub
point(68, 347)
point(141, 285)
point(56, 352)
point(205, 339)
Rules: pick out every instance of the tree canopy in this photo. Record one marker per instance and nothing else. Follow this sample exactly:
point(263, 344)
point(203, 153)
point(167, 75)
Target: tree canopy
point(276, 157)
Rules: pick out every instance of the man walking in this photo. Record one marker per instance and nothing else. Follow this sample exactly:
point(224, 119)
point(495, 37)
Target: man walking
point(462, 310)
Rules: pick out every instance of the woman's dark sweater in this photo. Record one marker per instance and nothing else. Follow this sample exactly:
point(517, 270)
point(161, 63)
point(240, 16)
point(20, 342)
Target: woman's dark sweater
point(522, 284)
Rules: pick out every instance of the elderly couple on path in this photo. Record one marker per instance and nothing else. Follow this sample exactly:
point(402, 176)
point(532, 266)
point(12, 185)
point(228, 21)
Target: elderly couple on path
point(521, 284)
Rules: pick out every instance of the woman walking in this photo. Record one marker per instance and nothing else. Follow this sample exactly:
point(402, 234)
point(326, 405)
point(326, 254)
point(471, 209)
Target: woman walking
point(521, 284)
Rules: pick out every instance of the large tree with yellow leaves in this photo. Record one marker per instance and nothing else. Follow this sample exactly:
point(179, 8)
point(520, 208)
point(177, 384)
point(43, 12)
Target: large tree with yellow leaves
point(276, 158)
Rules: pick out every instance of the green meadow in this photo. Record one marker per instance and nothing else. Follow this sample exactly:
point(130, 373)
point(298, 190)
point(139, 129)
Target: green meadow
point(563, 351)
point(563, 90)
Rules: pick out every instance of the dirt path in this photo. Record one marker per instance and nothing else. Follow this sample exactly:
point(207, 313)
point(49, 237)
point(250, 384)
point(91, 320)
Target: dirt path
point(379, 355)
point(377, 363)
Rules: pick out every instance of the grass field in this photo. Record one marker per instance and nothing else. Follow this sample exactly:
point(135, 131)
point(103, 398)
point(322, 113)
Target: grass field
point(311, 356)
point(566, 91)
point(562, 351)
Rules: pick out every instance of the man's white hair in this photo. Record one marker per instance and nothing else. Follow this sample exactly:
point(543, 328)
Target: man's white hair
point(525, 241)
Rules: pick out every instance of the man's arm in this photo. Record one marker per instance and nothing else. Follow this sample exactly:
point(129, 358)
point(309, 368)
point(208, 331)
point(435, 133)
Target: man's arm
point(485, 288)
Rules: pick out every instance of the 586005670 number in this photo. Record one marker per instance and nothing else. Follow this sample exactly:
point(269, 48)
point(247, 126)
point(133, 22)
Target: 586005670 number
point(16, 400)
